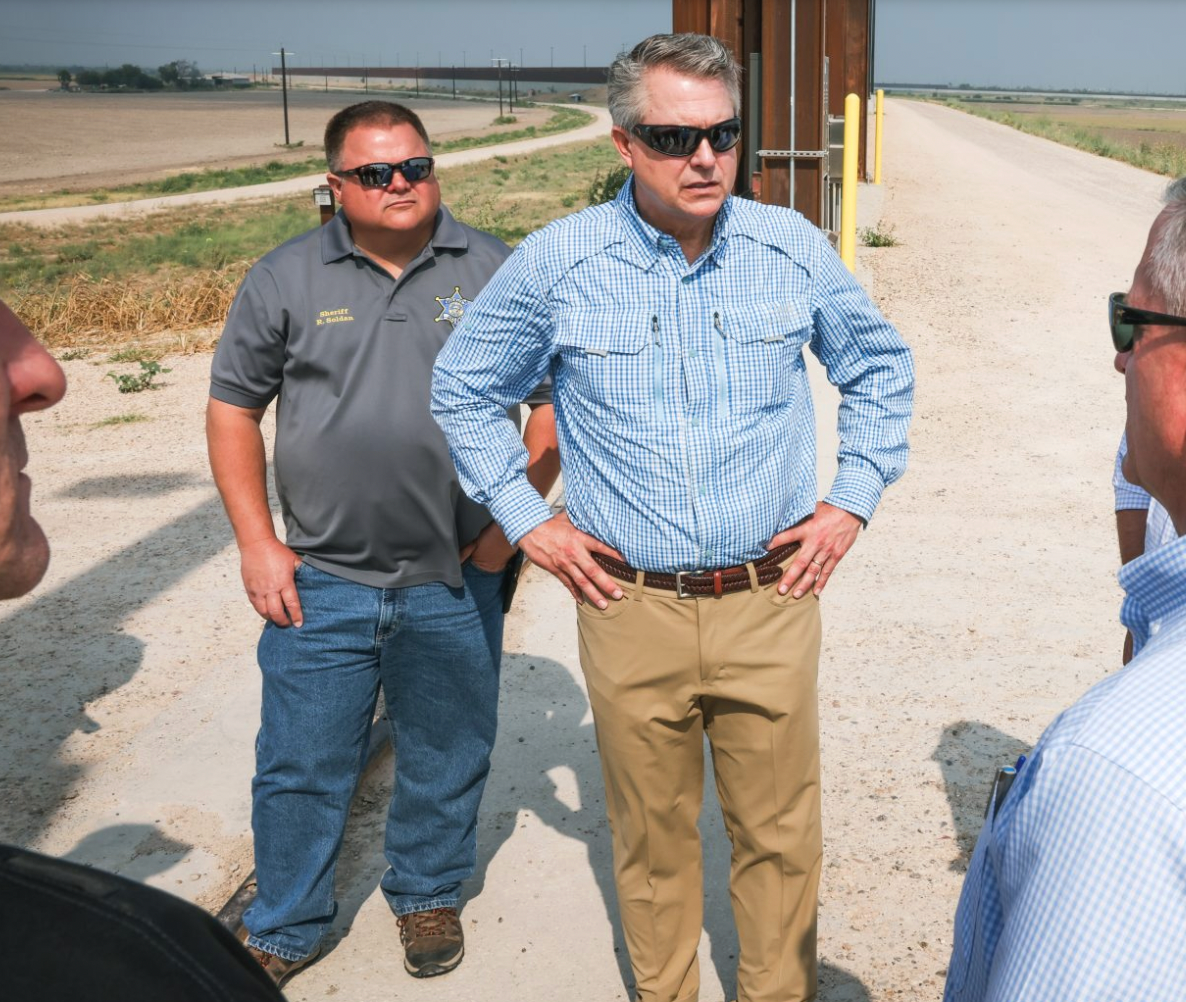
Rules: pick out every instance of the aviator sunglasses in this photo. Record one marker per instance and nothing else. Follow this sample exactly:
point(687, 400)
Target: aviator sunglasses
point(380, 175)
point(1124, 321)
point(684, 140)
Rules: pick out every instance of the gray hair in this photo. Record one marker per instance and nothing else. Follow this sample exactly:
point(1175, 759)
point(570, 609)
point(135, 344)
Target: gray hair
point(1167, 261)
point(690, 55)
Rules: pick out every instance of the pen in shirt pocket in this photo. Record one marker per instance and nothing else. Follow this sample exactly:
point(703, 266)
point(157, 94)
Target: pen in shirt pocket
point(1006, 774)
point(1000, 787)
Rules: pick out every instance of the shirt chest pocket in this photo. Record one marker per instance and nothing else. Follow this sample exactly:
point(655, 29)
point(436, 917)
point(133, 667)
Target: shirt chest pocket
point(762, 352)
point(611, 359)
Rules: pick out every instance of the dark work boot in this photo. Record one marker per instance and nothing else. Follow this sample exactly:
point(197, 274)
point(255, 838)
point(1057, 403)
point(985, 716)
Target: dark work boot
point(433, 941)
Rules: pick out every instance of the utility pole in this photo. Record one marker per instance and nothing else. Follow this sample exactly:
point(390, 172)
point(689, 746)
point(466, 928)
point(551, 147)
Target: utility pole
point(284, 87)
point(498, 62)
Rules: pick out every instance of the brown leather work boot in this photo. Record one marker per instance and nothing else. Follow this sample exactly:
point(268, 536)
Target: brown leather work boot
point(276, 968)
point(433, 941)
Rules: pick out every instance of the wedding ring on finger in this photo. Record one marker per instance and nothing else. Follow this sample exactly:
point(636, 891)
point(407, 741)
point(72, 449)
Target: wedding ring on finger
point(818, 563)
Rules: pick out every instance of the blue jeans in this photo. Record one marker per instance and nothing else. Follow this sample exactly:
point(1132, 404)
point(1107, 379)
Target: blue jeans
point(435, 650)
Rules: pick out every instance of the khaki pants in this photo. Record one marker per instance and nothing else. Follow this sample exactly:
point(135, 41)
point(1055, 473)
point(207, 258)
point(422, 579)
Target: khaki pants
point(662, 672)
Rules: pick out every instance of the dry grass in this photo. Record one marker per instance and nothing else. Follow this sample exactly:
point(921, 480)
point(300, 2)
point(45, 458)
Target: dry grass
point(166, 280)
point(1151, 138)
point(170, 312)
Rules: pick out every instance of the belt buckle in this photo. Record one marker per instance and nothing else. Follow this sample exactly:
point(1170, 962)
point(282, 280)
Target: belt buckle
point(679, 583)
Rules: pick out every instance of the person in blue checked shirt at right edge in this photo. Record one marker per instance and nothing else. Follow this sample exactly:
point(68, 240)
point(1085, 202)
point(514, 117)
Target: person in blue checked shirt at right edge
point(1077, 888)
point(673, 322)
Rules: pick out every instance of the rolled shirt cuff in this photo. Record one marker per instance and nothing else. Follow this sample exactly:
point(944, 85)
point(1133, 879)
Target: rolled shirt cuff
point(857, 489)
point(1130, 498)
point(518, 508)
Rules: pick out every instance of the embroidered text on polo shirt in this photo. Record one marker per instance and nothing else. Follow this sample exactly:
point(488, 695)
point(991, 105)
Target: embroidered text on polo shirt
point(340, 316)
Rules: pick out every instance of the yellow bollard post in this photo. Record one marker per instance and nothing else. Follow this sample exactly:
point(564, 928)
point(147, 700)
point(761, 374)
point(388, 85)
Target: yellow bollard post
point(877, 137)
point(848, 189)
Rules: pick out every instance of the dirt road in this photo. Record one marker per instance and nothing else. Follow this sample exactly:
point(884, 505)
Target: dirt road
point(980, 601)
point(83, 141)
point(441, 118)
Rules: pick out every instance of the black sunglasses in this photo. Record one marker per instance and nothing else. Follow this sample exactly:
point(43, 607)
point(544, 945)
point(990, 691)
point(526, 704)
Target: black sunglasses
point(1124, 320)
point(380, 175)
point(684, 140)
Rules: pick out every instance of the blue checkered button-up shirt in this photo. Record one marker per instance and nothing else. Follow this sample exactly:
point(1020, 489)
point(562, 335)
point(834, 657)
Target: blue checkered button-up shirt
point(683, 412)
point(1077, 888)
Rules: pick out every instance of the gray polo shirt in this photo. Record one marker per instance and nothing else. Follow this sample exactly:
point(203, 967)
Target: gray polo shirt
point(365, 481)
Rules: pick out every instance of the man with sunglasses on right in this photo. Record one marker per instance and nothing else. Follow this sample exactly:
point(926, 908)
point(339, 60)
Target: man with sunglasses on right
point(388, 576)
point(1077, 887)
point(673, 322)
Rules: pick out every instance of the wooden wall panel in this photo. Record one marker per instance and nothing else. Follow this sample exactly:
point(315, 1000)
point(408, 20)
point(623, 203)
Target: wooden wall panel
point(691, 15)
point(725, 23)
point(848, 55)
point(839, 29)
point(809, 131)
point(856, 75)
point(837, 52)
point(776, 99)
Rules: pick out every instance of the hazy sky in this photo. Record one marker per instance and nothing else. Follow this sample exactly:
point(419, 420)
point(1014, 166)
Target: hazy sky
point(224, 34)
point(1097, 44)
point(1101, 44)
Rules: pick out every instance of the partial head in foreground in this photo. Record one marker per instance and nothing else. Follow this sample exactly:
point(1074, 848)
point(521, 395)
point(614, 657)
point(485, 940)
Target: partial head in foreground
point(675, 102)
point(30, 380)
point(1154, 367)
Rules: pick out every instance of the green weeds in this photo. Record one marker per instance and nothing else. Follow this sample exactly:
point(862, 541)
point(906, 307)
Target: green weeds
point(605, 189)
point(131, 383)
point(118, 419)
point(562, 120)
point(876, 236)
point(133, 353)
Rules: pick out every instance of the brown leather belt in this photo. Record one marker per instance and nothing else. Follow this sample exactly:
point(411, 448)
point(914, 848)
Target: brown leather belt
point(689, 584)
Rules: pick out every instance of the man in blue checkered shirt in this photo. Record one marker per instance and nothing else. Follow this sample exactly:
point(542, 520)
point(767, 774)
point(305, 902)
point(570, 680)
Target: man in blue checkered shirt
point(673, 322)
point(1077, 889)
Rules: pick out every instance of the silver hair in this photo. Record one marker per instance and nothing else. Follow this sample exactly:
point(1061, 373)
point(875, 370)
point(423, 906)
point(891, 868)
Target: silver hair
point(700, 56)
point(1167, 261)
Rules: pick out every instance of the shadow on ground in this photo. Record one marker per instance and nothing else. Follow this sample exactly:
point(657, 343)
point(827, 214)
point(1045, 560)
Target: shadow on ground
point(51, 670)
point(148, 851)
point(543, 730)
point(969, 754)
point(134, 485)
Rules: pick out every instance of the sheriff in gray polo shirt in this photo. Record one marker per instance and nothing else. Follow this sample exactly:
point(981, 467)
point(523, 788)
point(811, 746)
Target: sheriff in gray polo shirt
point(365, 481)
point(388, 577)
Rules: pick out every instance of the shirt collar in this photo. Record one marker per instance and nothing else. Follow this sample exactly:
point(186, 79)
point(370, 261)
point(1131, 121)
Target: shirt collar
point(337, 242)
point(646, 240)
point(1156, 588)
